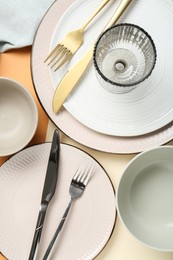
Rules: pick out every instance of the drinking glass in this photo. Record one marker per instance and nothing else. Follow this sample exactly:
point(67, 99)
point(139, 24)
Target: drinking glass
point(124, 56)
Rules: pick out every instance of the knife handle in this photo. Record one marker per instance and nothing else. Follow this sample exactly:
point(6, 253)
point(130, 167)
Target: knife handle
point(37, 234)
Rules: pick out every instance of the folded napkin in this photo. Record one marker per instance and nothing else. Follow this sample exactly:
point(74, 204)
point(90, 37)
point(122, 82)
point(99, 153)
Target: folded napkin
point(19, 20)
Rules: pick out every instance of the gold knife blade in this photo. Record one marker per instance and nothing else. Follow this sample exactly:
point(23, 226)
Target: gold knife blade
point(73, 75)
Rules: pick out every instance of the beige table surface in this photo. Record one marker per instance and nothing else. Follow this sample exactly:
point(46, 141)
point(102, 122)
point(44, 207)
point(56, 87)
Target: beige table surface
point(121, 246)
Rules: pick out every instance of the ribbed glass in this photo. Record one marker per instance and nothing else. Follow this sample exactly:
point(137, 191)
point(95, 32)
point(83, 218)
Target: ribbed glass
point(124, 56)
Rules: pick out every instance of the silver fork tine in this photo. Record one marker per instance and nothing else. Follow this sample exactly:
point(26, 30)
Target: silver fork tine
point(79, 176)
point(76, 175)
point(86, 176)
point(81, 173)
point(82, 176)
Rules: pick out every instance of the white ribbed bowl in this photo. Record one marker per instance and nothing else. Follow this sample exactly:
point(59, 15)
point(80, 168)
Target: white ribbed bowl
point(18, 116)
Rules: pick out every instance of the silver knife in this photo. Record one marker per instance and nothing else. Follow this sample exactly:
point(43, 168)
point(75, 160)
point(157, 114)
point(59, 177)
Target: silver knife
point(48, 192)
point(71, 78)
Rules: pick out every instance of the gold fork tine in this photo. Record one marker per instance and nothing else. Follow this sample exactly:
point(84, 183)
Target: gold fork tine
point(58, 51)
point(52, 52)
point(61, 55)
point(68, 56)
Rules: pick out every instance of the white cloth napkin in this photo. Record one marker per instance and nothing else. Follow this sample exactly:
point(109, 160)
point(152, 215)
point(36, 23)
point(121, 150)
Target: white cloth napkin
point(19, 20)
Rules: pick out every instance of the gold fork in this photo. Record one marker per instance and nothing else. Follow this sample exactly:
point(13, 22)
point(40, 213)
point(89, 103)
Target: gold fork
point(65, 49)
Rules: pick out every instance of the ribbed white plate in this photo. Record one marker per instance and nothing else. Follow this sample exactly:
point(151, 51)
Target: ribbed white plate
point(91, 219)
point(147, 107)
point(64, 120)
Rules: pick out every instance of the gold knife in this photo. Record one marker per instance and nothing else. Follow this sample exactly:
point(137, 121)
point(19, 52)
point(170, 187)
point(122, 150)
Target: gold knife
point(73, 75)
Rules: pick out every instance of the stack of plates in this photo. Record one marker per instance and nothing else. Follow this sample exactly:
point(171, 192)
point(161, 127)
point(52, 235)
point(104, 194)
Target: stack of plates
point(117, 123)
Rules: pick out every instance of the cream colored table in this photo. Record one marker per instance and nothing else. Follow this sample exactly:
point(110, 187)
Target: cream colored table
point(121, 246)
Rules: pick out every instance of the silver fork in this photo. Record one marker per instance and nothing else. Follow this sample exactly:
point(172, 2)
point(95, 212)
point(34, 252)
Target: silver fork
point(76, 189)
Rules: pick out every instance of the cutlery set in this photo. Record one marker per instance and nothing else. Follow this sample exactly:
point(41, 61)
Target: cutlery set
point(71, 78)
point(76, 189)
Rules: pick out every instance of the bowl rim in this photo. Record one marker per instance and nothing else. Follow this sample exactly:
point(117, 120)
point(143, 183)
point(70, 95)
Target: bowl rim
point(97, 67)
point(16, 84)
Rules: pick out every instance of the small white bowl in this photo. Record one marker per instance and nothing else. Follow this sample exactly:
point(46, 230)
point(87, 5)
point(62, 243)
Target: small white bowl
point(145, 198)
point(18, 116)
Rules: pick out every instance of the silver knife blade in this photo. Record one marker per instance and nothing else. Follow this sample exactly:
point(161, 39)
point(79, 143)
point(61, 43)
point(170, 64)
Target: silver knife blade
point(47, 193)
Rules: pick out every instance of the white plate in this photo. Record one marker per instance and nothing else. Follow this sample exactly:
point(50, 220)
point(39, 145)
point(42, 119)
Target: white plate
point(146, 108)
point(145, 195)
point(18, 116)
point(64, 120)
point(91, 218)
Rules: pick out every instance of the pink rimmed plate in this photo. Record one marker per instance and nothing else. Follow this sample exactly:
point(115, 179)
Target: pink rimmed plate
point(91, 219)
point(64, 120)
